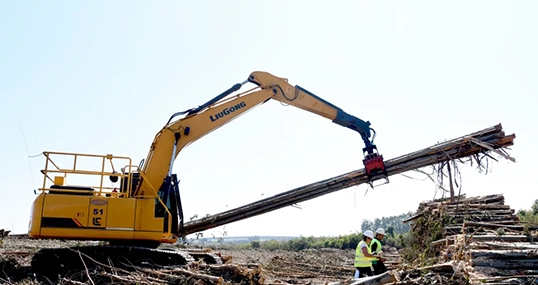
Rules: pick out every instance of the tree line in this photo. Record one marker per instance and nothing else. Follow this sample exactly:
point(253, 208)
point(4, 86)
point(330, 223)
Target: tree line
point(396, 236)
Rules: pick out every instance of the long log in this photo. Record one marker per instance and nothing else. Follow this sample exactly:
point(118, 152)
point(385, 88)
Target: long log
point(504, 273)
point(522, 254)
point(506, 238)
point(487, 201)
point(503, 245)
point(481, 142)
point(479, 212)
point(443, 267)
point(496, 226)
point(478, 207)
point(506, 263)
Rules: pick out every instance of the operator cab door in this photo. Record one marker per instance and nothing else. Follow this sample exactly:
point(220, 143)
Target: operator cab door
point(169, 194)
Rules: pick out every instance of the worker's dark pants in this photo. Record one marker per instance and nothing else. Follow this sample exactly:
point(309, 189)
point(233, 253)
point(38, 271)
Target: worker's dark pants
point(379, 267)
point(365, 271)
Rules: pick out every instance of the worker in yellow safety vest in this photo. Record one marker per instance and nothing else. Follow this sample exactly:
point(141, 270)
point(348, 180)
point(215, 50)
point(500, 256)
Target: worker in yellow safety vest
point(375, 247)
point(364, 256)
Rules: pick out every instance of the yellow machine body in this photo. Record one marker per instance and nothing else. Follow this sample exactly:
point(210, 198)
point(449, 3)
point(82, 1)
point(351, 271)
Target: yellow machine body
point(96, 212)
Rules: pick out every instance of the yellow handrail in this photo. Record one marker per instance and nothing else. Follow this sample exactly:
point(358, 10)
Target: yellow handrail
point(101, 173)
point(126, 172)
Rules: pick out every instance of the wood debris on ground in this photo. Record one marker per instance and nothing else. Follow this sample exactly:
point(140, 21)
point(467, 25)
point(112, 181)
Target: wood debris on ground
point(196, 272)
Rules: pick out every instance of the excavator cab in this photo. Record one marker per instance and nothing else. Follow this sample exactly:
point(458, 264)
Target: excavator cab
point(374, 166)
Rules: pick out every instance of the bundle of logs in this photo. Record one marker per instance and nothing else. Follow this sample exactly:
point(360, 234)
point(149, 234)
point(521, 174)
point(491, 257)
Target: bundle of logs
point(483, 235)
point(477, 146)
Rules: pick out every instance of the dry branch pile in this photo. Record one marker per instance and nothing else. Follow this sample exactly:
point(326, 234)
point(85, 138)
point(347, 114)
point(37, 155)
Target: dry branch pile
point(483, 234)
point(445, 273)
point(195, 272)
point(473, 147)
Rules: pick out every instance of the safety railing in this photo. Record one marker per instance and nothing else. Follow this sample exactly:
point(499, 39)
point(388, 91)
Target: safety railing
point(98, 171)
point(60, 176)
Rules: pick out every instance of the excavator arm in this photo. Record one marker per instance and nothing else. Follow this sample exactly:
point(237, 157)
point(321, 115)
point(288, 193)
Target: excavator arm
point(200, 121)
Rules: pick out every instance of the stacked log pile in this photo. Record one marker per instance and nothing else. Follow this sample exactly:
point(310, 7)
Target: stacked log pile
point(484, 234)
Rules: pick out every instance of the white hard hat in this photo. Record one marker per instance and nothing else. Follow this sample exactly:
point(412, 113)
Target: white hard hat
point(380, 231)
point(369, 234)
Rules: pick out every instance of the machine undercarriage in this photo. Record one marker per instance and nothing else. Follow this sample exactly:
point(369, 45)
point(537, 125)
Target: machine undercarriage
point(50, 263)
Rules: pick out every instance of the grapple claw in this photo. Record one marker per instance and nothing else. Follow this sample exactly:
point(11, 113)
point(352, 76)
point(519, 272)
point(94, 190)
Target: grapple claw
point(374, 166)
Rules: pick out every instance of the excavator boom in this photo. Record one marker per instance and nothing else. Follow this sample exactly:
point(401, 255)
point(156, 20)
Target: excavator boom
point(222, 109)
point(306, 100)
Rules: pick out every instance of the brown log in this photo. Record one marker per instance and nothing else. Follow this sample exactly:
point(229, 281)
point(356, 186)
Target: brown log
point(163, 273)
point(213, 279)
point(493, 137)
point(505, 273)
point(505, 263)
point(505, 254)
point(464, 217)
point(507, 238)
point(444, 267)
point(496, 226)
point(464, 206)
point(511, 222)
point(503, 245)
point(479, 212)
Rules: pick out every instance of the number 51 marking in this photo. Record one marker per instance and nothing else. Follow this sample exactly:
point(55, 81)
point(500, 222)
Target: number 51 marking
point(97, 211)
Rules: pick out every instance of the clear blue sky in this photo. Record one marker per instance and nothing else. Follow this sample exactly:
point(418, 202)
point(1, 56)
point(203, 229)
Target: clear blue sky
point(103, 77)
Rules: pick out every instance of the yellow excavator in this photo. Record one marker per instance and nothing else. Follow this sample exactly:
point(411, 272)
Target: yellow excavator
point(140, 208)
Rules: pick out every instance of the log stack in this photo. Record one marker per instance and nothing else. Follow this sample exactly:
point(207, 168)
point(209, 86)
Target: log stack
point(482, 233)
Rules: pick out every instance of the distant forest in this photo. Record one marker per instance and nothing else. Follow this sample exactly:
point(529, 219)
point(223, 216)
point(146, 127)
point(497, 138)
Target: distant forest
point(392, 225)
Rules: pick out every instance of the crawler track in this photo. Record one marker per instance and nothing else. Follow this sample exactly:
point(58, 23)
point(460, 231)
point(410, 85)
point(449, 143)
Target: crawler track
point(73, 261)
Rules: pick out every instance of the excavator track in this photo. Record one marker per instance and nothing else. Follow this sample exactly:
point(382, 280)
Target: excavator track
point(72, 261)
point(207, 257)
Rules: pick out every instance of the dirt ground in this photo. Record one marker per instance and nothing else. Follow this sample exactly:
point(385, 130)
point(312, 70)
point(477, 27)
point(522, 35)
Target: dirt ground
point(308, 266)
